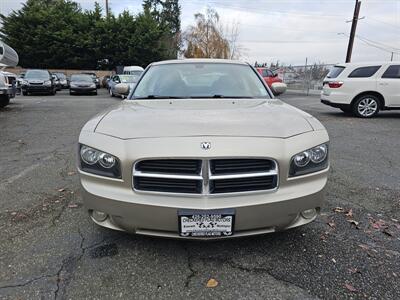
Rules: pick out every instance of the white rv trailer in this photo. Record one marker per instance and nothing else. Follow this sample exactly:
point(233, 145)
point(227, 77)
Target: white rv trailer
point(8, 58)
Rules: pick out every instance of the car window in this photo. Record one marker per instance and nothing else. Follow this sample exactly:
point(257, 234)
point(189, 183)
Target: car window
point(364, 72)
point(128, 78)
point(392, 72)
point(81, 77)
point(265, 73)
point(201, 80)
point(335, 72)
point(37, 74)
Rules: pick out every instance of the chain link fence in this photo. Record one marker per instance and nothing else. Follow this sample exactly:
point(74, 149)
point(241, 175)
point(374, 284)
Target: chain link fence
point(306, 79)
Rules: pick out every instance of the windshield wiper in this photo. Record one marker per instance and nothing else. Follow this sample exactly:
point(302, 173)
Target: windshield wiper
point(158, 97)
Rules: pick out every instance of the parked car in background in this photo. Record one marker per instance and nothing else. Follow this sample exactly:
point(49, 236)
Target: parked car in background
point(63, 80)
point(104, 81)
point(95, 79)
point(8, 87)
point(130, 80)
point(196, 152)
point(38, 81)
point(268, 76)
point(363, 88)
point(133, 70)
point(20, 78)
point(57, 82)
point(82, 84)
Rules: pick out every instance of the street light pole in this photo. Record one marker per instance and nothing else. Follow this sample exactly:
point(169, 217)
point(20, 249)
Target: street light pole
point(353, 30)
point(107, 8)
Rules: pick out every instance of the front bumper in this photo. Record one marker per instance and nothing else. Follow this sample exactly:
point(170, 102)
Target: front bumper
point(157, 214)
point(83, 90)
point(37, 89)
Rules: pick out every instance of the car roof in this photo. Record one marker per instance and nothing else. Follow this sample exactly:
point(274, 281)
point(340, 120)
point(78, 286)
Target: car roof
point(199, 60)
point(5, 73)
point(370, 63)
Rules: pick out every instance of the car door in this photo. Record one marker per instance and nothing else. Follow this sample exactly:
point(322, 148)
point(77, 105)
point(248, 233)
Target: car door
point(113, 82)
point(389, 85)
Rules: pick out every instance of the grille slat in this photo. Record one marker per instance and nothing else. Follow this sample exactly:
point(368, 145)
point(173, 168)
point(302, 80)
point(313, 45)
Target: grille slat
point(170, 166)
point(242, 184)
point(233, 166)
point(226, 175)
point(168, 185)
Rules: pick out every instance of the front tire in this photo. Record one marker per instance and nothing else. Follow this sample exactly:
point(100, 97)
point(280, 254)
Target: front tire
point(366, 106)
point(25, 93)
point(4, 101)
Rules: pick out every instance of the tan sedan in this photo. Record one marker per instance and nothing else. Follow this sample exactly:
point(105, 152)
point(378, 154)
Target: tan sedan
point(202, 149)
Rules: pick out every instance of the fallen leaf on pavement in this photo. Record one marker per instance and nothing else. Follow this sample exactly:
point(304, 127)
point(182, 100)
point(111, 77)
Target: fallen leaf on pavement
point(331, 224)
point(365, 247)
point(387, 232)
point(61, 190)
point(350, 287)
point(334, 260)
point(71, 173)
point(338, 209)
point(72, 205)
point(212, 283)
point(353, 222)
point(349, 213)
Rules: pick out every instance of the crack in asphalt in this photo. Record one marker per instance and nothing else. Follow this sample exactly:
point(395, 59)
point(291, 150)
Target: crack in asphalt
point(25, 283)
point(193, 272)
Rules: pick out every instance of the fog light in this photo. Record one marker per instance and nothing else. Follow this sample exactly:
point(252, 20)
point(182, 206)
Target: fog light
point(309, 213)
point(99, 216)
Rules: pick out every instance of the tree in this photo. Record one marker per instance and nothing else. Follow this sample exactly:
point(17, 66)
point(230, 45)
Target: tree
point(206, 38)
point(209, 38)
point(59, 34)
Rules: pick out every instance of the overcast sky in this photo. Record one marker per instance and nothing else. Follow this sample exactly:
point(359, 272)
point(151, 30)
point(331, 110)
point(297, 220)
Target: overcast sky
point(291, 30)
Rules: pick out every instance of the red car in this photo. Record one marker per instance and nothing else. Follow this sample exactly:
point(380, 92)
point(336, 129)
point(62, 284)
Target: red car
point(269, 76)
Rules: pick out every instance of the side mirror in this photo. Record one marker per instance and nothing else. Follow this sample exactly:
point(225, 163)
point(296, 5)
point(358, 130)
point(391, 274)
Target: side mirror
point(122, 89)
point(278, 88)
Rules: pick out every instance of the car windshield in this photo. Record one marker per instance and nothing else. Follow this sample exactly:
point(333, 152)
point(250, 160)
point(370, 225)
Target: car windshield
point(200, 80)
point(81, 77)
point(60, 75)
point(91, 75)
point(128, 78)
point(37, 74)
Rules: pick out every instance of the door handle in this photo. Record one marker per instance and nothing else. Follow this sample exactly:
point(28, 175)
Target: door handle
point(384, 84)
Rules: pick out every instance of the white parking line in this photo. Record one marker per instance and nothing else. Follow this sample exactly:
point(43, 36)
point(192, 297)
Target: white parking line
point(22, 173)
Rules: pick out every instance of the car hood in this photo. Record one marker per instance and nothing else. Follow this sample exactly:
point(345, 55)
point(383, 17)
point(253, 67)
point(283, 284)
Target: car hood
point(191, 117)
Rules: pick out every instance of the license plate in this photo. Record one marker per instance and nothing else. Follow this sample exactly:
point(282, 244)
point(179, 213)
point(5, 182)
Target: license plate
point(206, 223)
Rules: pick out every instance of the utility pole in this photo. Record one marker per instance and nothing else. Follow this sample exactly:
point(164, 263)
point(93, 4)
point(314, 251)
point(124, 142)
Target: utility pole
point(107, 8)
point(353, 30)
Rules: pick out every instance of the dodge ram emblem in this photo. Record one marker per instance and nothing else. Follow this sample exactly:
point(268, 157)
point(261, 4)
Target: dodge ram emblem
point(205, 145)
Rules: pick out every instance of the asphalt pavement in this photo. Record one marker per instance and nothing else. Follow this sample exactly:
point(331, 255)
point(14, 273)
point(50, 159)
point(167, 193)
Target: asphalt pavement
point(50, 249)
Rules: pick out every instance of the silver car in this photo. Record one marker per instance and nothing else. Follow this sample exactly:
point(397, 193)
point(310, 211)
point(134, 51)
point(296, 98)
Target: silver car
point(202, 149)
point(130, 80)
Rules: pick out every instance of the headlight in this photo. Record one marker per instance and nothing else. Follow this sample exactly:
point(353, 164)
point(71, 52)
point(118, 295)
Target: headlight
point(24, 82)
point(99, 162)
point(73, 85)
point(93, 85)
point(48, 82)
point(309, 161)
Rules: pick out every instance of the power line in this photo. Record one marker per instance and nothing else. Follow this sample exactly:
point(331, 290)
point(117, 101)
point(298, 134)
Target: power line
point(264, 11)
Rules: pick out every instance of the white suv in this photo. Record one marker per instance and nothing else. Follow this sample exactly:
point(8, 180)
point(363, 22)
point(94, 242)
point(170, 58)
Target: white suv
point(363, 88)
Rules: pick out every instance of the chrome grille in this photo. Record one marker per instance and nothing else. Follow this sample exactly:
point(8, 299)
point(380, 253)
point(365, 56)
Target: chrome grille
point(205, 177)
